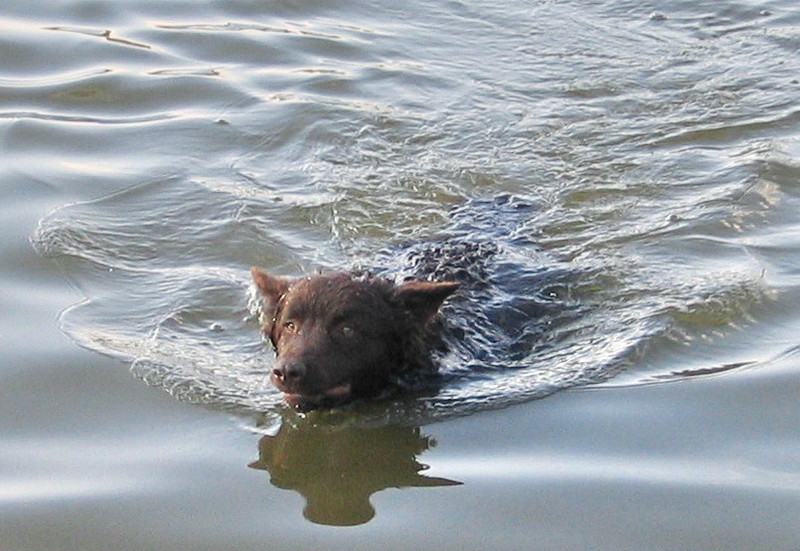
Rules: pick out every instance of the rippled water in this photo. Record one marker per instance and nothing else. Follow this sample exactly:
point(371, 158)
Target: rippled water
point(319, 143)
point(620, 179)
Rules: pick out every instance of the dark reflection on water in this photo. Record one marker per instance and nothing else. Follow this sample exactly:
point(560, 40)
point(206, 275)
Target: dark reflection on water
point(337, 468)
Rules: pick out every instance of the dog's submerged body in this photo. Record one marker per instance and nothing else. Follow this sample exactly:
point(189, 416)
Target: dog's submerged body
point(342, 336)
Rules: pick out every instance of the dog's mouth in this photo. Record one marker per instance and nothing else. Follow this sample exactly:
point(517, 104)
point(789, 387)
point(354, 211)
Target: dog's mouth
point(334, 395)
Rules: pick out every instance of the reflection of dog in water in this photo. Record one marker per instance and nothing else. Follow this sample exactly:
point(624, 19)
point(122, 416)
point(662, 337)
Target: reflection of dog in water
point(337, 469)
point(341, 336)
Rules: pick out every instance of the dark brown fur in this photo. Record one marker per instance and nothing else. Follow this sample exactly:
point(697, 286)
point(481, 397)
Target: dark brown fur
point(340, 336)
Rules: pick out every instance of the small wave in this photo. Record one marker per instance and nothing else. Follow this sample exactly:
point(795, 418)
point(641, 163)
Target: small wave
point(105, 34)
point(85, 119)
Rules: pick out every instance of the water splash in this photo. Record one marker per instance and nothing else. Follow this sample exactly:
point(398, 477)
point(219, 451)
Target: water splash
point(528, 321)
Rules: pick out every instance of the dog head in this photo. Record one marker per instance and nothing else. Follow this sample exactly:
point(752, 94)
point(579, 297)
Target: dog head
point(339, 336)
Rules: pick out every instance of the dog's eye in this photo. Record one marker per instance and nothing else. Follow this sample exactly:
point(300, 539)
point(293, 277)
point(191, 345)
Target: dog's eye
point(290, 326)
point(347, 331)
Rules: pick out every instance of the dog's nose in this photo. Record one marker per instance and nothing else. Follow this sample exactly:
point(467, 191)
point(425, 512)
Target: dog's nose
point(289, 372)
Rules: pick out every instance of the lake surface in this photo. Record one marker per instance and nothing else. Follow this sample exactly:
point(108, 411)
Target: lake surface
point(621, 181)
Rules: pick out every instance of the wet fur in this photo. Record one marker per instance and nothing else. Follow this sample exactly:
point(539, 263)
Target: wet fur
point(342, 336)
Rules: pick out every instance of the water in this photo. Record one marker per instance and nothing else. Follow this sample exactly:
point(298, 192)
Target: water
point(627, 173)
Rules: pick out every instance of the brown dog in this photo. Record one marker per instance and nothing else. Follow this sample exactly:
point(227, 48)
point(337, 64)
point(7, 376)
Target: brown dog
point(340, 336)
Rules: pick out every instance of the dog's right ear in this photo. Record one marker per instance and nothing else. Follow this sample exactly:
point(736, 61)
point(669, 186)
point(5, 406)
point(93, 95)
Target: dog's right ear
point(270, 287)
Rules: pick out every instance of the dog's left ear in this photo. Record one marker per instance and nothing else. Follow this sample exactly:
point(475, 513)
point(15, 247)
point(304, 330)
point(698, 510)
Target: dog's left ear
point(423, 298)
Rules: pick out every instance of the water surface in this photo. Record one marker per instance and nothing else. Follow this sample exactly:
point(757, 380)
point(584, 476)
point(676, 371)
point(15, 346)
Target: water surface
point(628, 173)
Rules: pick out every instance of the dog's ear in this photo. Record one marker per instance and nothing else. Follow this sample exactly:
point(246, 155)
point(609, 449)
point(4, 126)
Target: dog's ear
point(423, 298)
point(270, 287)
